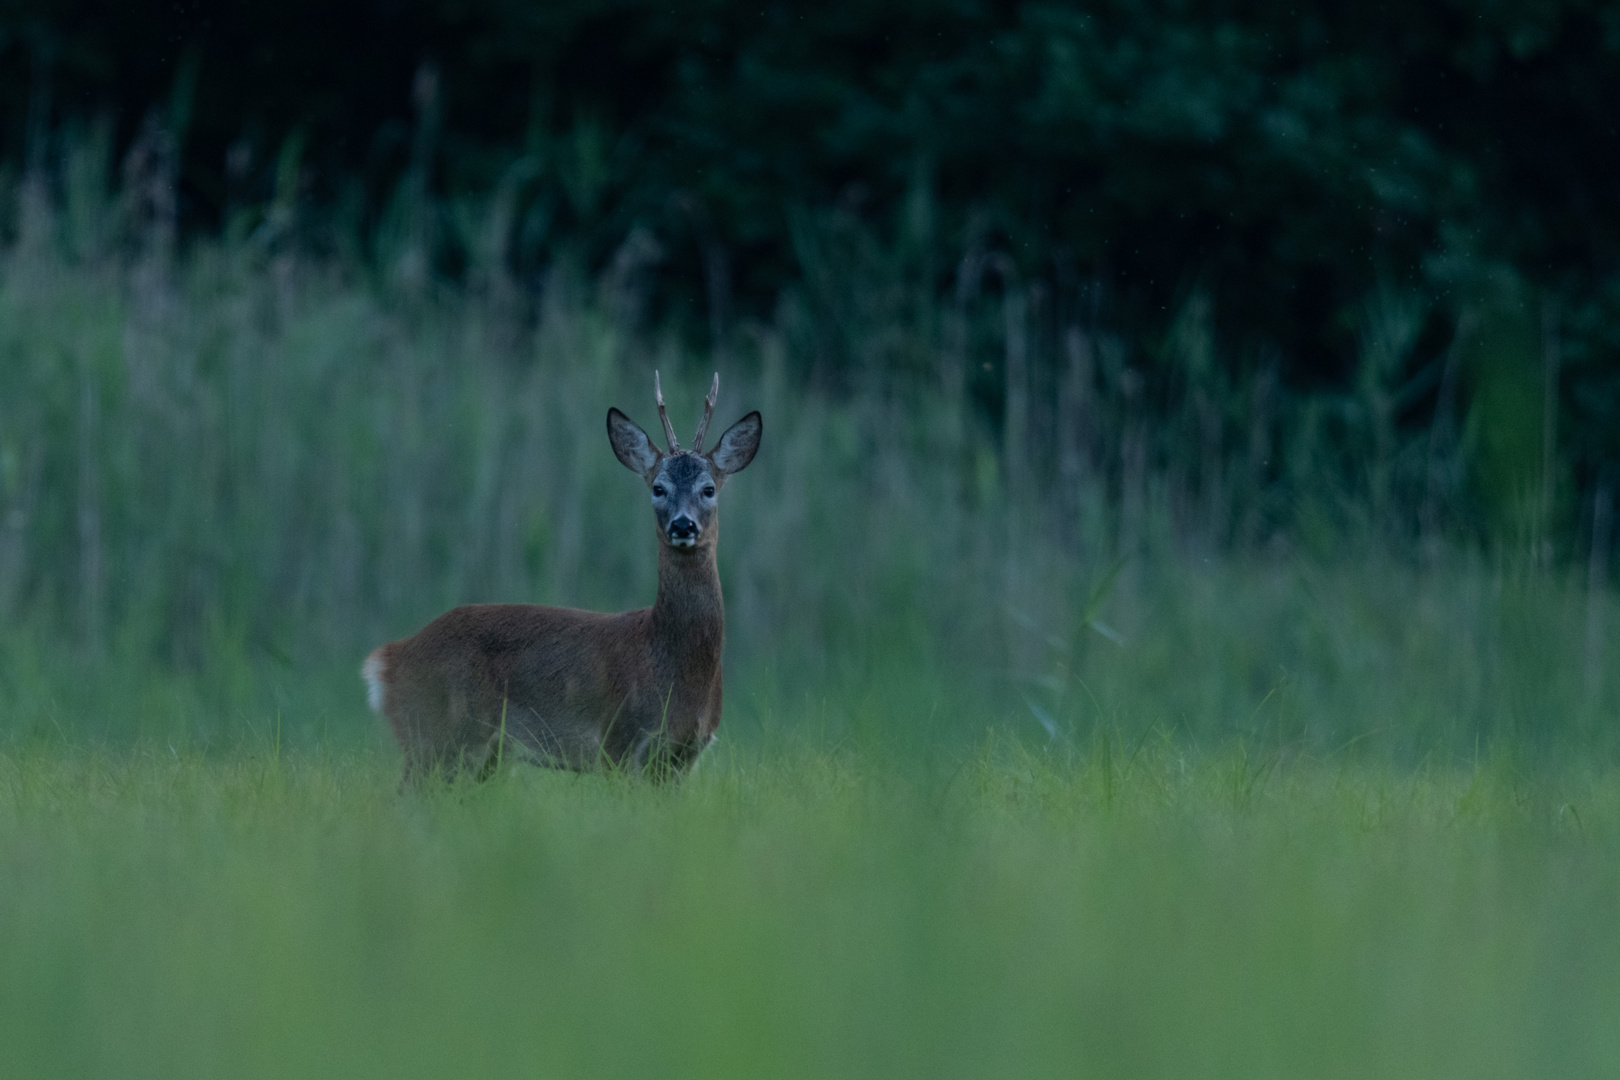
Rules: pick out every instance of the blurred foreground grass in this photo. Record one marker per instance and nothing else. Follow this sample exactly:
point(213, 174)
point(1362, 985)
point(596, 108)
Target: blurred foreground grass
point(1115, 911)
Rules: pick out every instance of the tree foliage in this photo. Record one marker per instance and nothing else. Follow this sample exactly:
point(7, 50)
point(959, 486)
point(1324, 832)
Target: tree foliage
point(1287, 162)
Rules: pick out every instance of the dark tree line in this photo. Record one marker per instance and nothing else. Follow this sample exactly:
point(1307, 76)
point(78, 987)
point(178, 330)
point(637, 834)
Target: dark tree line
point(1286, 161)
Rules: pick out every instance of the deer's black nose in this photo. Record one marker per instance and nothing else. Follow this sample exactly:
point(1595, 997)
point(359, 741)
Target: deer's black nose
point(683, 528)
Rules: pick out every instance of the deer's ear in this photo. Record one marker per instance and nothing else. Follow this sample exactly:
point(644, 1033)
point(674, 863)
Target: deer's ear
point(738, 445)
point(631, 445)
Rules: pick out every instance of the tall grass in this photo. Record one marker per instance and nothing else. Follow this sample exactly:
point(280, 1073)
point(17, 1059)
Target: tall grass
point(227, 471)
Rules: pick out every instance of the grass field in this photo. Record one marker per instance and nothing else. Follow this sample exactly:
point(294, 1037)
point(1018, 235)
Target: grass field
point(794, 911)
point(1213, 741)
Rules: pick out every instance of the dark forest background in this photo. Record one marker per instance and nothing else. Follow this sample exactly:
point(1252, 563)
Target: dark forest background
point(1272, 169)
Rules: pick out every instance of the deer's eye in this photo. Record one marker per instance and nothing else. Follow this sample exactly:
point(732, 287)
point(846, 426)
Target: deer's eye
point(708, 492)
point(658, 491)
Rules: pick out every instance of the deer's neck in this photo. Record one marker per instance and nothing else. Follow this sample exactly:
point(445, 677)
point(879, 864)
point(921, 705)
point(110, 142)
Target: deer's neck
point(688, 618)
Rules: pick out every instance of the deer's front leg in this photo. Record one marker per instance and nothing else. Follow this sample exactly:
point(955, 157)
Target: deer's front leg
point(663, 759)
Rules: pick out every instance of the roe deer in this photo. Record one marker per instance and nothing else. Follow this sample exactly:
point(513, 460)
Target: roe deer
point(578, 689)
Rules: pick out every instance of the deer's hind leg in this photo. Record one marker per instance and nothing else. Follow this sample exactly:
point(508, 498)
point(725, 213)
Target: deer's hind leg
point(440, 734)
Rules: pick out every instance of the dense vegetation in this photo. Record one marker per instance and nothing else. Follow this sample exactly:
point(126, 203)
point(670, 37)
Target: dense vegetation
point(1123, 366)
point(246, 467)
point(1415, 203)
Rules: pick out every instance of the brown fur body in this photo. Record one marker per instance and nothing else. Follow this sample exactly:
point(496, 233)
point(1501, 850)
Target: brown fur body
point(580, 689)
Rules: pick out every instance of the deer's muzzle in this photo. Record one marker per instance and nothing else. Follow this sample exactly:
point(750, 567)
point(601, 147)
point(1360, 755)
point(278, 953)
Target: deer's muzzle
point(683, 532)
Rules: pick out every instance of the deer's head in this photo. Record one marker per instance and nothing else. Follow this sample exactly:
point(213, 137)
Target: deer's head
point(685, 484)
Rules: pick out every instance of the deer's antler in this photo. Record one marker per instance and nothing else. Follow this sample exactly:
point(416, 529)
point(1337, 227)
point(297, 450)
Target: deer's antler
point(669, 428)
point(708, 411)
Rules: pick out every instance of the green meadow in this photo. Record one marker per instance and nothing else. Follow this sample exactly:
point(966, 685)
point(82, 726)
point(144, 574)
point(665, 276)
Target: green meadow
point(798, 911)
point(1218, 742)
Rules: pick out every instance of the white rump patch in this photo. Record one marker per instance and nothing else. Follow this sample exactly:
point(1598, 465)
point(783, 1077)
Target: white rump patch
point(372, 672)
